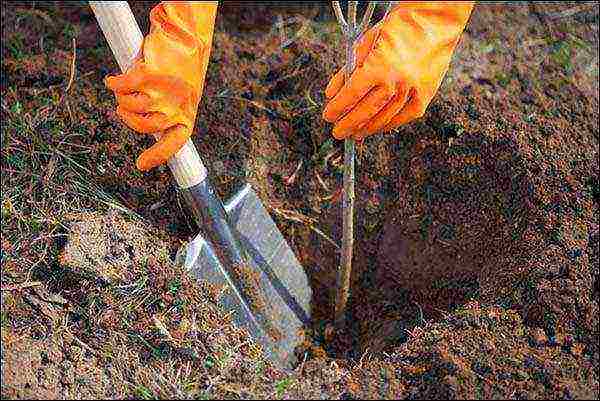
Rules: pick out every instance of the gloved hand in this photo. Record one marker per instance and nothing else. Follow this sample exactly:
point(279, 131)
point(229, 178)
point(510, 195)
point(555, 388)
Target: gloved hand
point(161, 92)
point(400, 64)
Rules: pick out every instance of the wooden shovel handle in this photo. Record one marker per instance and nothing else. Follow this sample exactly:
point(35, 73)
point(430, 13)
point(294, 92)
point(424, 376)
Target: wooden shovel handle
point(125, 40)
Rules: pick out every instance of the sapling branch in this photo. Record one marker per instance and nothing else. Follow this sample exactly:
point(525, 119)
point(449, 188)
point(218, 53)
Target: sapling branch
point(388, 8)
point(364, 24)
point(352, 14)
point(352, 32)
point(337, 9)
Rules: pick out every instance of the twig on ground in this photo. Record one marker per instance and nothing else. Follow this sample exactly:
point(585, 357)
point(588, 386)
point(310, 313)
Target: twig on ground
point(42, 237)
point(20, 286)
point(73, 69)
point(423, 321)
point(309, 98)
point(161, 328)
point(300, 369)
point(362, 357)
point(84, 345)
point(290, 180)
point(253, 103)
point(300, 218)
point(321, 182)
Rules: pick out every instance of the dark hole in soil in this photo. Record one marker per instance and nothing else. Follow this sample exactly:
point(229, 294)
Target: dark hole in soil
point(476, 202)
point(435, 237)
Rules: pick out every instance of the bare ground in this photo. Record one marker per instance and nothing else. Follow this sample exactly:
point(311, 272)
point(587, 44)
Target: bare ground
point(476, 267)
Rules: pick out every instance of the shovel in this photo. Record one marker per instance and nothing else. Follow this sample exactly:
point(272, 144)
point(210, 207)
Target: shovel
point(239, 249)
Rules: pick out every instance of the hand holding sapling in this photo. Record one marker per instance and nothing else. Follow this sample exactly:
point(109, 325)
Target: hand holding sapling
point(400, 64)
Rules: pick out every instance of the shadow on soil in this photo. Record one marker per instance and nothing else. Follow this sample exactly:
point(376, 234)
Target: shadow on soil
point(451, 211)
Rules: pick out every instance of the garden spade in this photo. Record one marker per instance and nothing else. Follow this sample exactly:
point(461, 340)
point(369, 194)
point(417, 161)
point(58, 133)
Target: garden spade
point(239, 249)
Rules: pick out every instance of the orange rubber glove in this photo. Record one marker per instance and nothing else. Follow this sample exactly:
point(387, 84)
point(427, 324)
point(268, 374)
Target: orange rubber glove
point(161, 91)
point(400, 64)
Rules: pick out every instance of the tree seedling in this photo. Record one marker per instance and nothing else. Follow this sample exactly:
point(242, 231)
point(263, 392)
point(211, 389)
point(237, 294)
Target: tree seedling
point(352, 32)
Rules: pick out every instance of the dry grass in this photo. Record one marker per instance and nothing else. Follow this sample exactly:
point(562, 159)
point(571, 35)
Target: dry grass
point(144, 326)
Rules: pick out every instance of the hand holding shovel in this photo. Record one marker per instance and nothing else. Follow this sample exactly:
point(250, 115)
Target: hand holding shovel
point(239, 248)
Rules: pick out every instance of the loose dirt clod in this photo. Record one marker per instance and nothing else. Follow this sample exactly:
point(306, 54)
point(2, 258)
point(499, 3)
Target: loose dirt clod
point(137, 328)
point(106, 247)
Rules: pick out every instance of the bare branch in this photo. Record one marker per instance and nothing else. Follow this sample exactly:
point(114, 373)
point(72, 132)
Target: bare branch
point(338, 14)
point(388, 8)
point(352, 14)
point(345, 269)
point(366, 20)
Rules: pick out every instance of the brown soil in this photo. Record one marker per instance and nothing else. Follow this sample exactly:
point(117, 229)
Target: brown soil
point(476, 270)
point(146, 331)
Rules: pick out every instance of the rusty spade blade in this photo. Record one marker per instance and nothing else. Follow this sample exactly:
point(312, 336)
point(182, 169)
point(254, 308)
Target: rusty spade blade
point(239, 248)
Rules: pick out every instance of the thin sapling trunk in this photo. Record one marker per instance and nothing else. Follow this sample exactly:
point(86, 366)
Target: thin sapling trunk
point(352, 32)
